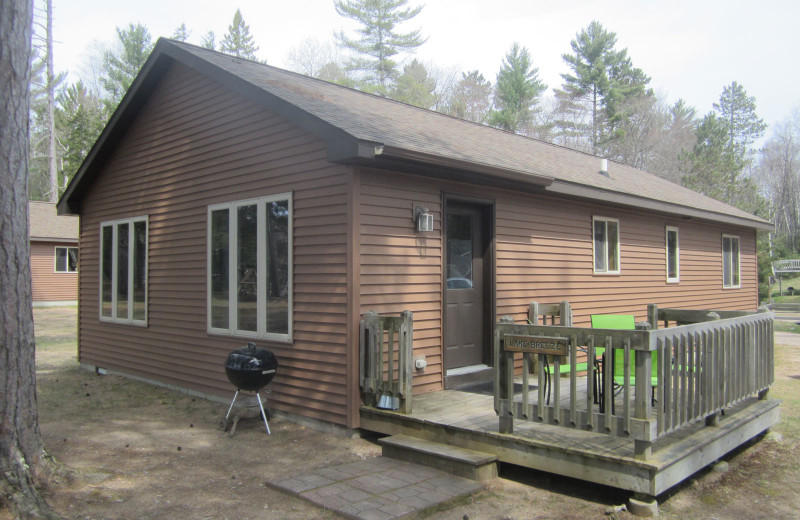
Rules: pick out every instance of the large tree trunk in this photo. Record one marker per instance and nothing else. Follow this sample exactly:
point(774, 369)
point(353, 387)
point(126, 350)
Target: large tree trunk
point(24, 464)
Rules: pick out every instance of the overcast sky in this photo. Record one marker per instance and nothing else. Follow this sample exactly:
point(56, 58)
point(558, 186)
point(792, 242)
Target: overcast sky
point(690, 48)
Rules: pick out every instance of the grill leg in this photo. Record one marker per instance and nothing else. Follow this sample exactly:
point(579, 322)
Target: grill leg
point(231, 406)
point(263, 413)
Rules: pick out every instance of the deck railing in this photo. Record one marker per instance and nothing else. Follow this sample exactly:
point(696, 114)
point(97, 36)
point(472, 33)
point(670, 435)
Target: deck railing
point(708, 363)
point(386, 362)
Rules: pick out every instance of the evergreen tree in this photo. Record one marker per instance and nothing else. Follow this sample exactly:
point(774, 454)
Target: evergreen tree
point(208, 41)
point(79, 121)
point(602, 82)
point(713, 170)
point(181, 33)
point(737, 110)
point(238, 41)
point(121, 66)
point(379, 40)
point(517, 91)
point(472, 98)
point(415, 86)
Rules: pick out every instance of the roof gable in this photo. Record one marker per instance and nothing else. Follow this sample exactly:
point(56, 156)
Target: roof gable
point(368, 129)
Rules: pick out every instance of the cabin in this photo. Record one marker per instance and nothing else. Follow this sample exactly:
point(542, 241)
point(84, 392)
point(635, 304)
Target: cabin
point(382, 252)
point(54, 255)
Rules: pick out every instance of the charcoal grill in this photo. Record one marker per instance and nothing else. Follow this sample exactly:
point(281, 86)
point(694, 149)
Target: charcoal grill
point(250, 369)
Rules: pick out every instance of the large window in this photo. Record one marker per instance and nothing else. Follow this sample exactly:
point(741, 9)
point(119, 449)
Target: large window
point(123, 270)
point(606, 245)
point(66, 260)
point(250, 268)
point(730, 261)
point(673, 255)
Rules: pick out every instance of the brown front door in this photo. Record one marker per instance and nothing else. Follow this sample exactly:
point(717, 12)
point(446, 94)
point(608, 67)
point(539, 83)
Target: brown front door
point(464, 306)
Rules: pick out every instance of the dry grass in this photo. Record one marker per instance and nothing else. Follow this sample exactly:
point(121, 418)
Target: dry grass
point(141, 452)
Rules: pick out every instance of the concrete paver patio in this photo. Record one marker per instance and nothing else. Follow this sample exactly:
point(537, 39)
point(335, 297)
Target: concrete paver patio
point(376, 489)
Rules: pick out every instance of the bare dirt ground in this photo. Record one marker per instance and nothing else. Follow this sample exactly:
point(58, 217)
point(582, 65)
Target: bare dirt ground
point(134, 451)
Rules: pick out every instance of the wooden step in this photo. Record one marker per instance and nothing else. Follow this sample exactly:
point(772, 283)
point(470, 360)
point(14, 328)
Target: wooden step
point(462, 462)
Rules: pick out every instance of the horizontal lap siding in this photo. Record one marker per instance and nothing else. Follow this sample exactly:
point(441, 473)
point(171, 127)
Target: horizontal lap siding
point(544, 253)
point(195, 144)
point(48, 285)
point(400, 269)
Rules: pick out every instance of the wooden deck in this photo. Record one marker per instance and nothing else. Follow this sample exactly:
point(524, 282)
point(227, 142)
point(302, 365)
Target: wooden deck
point(469, 420)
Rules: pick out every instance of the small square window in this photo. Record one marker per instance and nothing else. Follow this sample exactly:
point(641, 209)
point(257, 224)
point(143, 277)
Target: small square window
point(66, 259)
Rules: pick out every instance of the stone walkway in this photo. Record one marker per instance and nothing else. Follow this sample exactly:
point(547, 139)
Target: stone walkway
point(376, 489)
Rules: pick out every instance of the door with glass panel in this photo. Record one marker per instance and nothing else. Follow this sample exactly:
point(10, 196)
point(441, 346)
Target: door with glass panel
point(464, 299)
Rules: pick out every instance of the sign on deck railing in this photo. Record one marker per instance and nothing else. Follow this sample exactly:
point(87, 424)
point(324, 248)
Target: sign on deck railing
point(642, 383)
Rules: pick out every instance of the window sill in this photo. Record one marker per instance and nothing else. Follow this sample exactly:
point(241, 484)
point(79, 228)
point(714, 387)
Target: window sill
point(135, 323)
point(283, 339)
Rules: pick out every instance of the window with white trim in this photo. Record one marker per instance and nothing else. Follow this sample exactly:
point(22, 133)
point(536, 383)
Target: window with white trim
point(606, 245)
point(66, 259)
point(123, 270)
point(250, 268)
point(673, 255)
point(730, 262)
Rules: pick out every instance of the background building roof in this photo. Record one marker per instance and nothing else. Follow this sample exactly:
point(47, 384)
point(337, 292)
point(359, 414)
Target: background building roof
point(45, 224)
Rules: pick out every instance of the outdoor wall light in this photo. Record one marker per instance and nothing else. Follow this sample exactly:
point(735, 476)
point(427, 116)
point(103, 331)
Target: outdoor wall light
point(423, 219)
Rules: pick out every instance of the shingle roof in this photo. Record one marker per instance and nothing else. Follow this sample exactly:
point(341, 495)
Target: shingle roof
point(45, 224)
point(391, 127)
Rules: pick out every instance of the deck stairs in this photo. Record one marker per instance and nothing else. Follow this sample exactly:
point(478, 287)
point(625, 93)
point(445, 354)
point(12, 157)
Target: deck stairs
point(462, 462)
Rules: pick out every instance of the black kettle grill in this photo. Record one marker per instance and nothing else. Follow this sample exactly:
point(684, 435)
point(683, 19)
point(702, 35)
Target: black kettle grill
point(250, 369)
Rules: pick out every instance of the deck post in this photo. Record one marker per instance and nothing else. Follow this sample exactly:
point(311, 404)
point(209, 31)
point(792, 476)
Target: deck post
point(642, 450)
point(505, 377)
point(406, 362)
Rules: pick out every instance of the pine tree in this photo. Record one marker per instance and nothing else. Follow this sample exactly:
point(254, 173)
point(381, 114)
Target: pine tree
point(711, 171)
point(379, 41)
point(602, 82)
point(121, 66)
point(181, 33)
point(79, 121)
point(24, 464)
point(738, 113)
point(517, 91)
point(238, 41)
point(208, 41)
point(415, 86)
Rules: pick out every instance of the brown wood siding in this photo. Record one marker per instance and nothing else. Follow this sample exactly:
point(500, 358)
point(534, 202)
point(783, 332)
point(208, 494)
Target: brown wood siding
point(48, 285)
point(543, 252)
point(196, 143)
point(401, 269)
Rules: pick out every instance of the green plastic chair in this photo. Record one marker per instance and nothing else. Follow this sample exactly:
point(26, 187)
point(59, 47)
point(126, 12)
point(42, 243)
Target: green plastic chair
point(623, 322)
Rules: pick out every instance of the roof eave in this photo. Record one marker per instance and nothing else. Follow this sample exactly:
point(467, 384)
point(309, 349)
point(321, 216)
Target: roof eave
point(506, 174)
point(597, 194)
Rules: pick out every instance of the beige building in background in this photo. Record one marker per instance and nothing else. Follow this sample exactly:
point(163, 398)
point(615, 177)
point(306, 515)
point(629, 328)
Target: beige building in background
point(54, 255)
